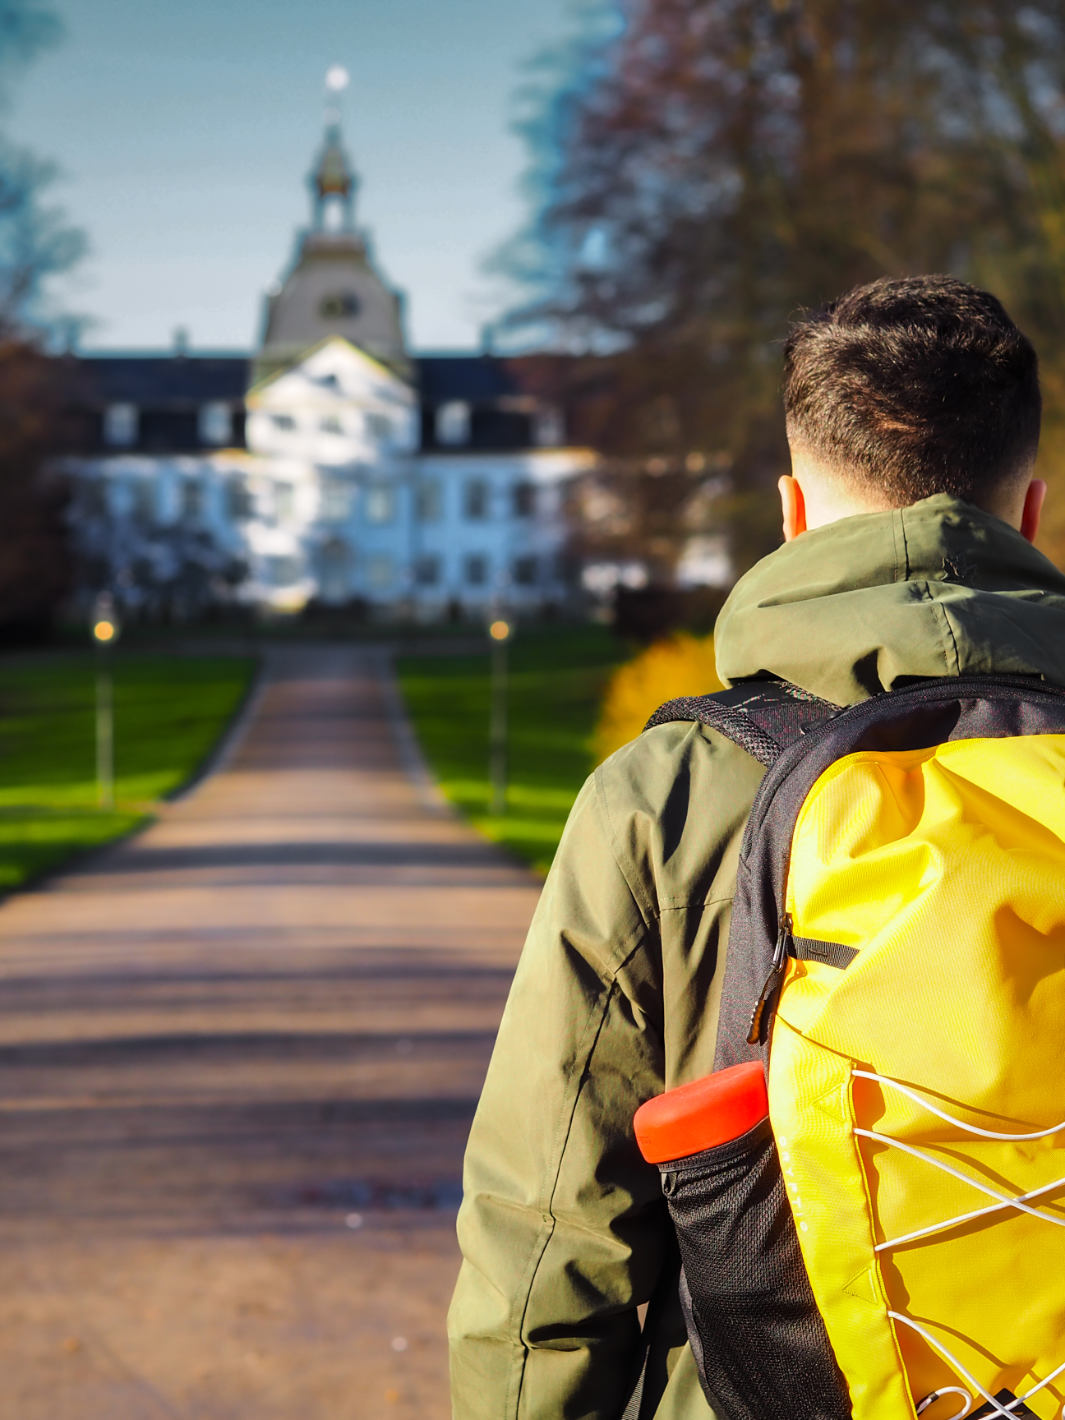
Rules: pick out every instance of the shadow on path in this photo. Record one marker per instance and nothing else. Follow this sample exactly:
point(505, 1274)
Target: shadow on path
point(239, 1055)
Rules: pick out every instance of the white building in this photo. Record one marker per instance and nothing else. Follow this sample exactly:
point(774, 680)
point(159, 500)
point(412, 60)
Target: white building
point(330, 465)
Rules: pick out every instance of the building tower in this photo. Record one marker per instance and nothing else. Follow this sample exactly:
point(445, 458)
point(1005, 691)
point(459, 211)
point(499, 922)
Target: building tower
point(332, 286)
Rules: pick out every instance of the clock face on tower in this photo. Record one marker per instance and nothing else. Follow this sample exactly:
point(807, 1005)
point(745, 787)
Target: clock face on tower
point(339, 305)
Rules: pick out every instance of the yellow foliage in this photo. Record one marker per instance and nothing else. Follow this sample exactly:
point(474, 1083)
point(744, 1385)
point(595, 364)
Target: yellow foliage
point(679, 665)
point(1051, 462)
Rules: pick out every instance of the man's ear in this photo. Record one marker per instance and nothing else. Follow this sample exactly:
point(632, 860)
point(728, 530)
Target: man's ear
point(792, 506)
point(1033, 508)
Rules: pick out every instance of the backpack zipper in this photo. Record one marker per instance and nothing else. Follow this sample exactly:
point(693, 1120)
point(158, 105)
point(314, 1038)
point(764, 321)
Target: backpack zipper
point(773, 982)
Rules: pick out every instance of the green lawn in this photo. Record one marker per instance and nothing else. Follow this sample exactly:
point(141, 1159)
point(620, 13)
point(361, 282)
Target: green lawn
point(169, 713)
point(556, 679)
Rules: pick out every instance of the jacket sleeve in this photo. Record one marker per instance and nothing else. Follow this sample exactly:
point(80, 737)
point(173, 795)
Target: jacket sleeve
point(562, 1224)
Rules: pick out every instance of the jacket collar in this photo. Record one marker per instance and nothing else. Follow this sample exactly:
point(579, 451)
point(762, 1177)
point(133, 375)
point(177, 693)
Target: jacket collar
point(855, 607)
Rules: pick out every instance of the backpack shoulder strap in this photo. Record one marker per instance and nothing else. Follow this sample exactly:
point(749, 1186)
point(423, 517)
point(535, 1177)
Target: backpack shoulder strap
point(763, 717)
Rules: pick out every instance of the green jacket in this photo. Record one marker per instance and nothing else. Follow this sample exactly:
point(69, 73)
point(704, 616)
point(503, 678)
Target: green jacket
point(563, 1229)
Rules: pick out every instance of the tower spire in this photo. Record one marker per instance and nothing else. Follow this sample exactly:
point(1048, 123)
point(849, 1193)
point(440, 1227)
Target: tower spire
point(333, 180)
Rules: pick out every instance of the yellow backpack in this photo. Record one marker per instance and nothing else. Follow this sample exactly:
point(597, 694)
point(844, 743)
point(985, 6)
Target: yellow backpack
point(889, 1242)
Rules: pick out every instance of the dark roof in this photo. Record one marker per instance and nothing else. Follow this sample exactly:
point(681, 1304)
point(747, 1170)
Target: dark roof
point(475, 379)
point(157, 380)
point(154, 381)
point(161, 380)
point(501, 391)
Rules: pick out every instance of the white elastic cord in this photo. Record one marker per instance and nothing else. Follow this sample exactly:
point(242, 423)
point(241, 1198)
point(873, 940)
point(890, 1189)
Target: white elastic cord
point(948, 1390)
point(949, 1118)
point(976, 1213)
point(996, 1409)
point(1017, 1202)
point(1005, 1200)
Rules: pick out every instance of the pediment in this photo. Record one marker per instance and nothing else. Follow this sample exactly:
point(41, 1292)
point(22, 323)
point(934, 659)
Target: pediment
point(335, 371)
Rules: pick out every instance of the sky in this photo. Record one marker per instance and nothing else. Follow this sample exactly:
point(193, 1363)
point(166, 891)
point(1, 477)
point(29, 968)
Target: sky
point(184, 133)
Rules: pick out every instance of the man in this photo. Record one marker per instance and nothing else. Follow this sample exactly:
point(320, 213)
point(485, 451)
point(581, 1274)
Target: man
point(913, 413)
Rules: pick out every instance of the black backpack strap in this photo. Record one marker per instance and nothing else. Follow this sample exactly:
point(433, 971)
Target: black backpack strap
point(762, 716)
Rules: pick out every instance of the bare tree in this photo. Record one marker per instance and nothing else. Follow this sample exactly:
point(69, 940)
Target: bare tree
point(704, 168)
point(34, 561)
point(162, 572)
point(35, 243)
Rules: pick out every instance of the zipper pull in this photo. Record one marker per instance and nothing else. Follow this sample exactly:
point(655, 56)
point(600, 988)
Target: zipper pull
point(773, 982)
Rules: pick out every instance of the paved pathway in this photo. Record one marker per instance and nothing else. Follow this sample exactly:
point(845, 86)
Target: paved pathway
point(238, 1058)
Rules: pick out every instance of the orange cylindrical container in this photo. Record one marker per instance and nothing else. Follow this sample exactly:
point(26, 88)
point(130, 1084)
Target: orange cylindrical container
point(710, 1111)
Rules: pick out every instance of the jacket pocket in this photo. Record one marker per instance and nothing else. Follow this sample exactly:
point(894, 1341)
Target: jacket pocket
point(759, 1341)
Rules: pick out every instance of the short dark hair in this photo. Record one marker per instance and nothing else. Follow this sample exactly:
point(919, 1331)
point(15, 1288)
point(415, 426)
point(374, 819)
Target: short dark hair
point(915, 386)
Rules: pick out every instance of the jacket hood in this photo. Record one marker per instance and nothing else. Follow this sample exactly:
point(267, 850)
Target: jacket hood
point(939, 588)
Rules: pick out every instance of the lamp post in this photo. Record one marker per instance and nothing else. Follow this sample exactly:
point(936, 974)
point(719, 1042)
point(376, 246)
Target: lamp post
point(105, 634)
point(499, 631)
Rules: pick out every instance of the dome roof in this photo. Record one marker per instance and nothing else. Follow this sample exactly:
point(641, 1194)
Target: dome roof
point(332, 287)
point(333, 174)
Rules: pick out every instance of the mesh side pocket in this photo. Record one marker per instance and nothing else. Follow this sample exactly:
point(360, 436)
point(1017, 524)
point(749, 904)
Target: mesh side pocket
point(759, 1341)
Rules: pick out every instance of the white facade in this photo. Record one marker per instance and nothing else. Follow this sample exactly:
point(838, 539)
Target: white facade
point(334, 439)
point(332, 501)
point(493, 527)
point(371, 518)
point(157, 532)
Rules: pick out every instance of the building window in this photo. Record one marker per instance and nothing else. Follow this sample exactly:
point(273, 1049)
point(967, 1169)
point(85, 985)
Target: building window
point(524, 571)
point(339, 305)
point(283, 571)
point(284, 502)
point(380, 504)
point(192, 500)
point(427, 570)
point(429, 502)
point(331, 425)
point(548, 429)
point(476, 499)
point(143, 499)
point(453, 423)
point(216, 423)
point(334, 570)
point(524, 500)
point(334, 504)
point(239, 503)
point(476, 569)
point(379, 572)
point(120, 425)
point(379, 427)
point(284, 422)
point(94, 499)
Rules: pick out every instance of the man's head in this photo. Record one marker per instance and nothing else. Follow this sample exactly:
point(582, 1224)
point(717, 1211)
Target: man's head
point(905, 388)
